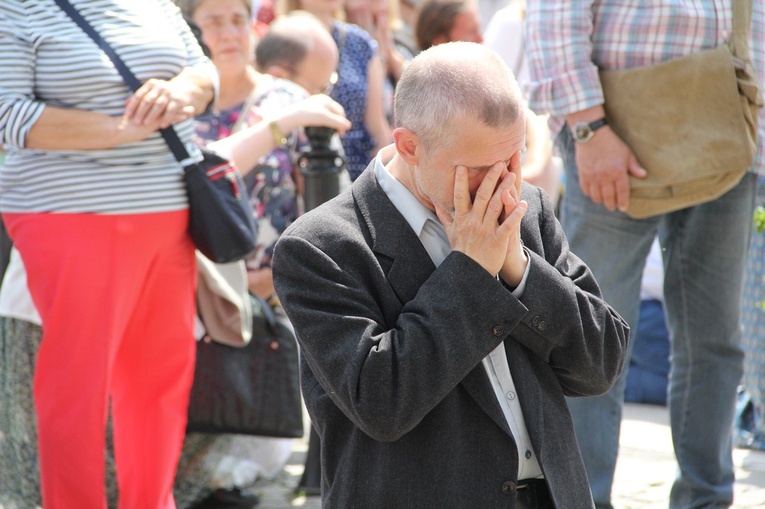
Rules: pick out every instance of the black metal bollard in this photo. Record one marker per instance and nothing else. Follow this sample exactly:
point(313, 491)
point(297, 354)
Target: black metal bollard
point(320, 166)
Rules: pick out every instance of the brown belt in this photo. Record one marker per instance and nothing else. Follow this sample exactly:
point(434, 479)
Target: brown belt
point(533, 494)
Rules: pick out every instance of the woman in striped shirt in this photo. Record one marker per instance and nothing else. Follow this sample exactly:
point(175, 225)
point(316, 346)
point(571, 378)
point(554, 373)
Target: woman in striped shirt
point(96, 205)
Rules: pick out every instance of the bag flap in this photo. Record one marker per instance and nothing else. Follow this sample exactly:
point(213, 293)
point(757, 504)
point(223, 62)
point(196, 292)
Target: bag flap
point(223, 301)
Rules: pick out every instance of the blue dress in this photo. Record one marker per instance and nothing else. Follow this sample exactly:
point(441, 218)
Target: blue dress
point(356, 48)
point(749, 428)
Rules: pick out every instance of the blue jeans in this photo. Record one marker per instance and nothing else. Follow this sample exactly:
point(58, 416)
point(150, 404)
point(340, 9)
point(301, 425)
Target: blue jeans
point(704, 250)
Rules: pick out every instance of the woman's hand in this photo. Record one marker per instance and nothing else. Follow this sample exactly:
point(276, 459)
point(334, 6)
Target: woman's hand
point(317, 110)
point(247, 146)
point(159, 102)
point(162, 103)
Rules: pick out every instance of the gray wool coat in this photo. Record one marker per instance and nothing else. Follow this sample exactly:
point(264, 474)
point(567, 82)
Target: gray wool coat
point(391, 351)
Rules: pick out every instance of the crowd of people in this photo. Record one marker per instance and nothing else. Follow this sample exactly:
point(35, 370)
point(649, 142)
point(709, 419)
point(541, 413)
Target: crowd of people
point(474, 292)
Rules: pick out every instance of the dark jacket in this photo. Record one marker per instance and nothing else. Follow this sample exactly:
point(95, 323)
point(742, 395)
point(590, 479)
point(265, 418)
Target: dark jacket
point(392, 347)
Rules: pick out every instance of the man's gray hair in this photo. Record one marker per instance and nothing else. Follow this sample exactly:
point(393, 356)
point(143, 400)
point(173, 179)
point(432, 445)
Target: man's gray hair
point(452, 81)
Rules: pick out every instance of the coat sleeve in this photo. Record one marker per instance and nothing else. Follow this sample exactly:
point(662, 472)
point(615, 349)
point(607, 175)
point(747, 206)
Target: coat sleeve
point(568, 325)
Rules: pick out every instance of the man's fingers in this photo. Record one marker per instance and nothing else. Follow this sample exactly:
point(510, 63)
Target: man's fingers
point(462, 204)
point(513, 220)
point(608, 193)
point(144, 108)
point(487, 188)
point(623, 194)
point(636, 170)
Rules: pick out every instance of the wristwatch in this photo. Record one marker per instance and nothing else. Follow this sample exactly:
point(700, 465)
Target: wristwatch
point(583, 131)
point(279, 139)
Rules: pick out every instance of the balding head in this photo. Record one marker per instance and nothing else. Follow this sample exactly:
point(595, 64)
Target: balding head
point(452, 81)
point(298, 47)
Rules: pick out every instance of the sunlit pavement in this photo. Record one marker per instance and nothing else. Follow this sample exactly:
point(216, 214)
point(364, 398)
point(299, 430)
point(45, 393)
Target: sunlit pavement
point(643, 476)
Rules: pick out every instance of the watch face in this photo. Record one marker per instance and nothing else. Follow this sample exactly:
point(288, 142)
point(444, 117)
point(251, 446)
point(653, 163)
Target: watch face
point(582, 132)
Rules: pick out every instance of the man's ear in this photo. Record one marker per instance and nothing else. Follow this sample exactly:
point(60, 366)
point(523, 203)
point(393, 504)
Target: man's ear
point(278, 71)
point(440, 39)
point(407, 144)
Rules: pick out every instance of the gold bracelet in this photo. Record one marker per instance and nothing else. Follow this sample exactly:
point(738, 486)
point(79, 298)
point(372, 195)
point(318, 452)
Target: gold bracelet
point(279, 139)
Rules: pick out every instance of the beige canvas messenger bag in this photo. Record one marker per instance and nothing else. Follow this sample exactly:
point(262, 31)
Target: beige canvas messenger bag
point(691, 122)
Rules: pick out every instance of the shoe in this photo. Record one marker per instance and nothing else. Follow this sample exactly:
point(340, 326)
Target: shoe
point(232, 498)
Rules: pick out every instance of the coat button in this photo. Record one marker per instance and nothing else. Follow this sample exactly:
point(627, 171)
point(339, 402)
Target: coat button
point(542, 325)
point(497, 330)
point(535, 321)
point(508, 487)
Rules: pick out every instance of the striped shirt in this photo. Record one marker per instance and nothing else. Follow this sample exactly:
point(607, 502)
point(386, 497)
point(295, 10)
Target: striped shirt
point(46, 59)
point(569, 41)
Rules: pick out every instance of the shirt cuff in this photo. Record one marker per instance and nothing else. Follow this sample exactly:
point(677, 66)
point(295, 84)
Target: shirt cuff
point(518, 290)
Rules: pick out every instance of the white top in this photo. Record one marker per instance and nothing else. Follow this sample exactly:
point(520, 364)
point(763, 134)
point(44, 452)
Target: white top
point(504, 34)
point(46, 59)
point(652, 285)
point(15, 300)
point(433, 237)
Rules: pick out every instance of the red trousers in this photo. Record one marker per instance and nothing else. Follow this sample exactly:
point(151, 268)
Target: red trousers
point(116, 297)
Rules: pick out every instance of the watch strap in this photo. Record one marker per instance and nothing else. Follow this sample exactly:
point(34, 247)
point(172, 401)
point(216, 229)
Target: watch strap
point(597, 124)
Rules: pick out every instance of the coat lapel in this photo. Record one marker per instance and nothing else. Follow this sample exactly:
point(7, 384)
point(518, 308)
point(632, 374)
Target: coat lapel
point(410, 266)
point(392, 237)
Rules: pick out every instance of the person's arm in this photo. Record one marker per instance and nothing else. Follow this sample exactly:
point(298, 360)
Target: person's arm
point(155, 105)
point(568, 324)
point(566, 83)
point(605, 163)
point(374, 116)
point(249, 145)
point(187, 95)
point(559, 49)
point(166, 102)
point(71, 129)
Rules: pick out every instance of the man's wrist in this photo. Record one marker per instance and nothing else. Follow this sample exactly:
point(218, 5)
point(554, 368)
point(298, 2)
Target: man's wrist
point(514, 276)
point(588, 115)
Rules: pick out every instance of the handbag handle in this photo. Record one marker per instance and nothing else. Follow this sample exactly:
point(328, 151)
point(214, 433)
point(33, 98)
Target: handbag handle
point(169, 134)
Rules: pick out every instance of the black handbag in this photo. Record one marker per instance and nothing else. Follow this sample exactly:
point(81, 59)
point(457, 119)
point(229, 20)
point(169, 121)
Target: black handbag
point(220, 216)
point(221, 219)
point(250, 390)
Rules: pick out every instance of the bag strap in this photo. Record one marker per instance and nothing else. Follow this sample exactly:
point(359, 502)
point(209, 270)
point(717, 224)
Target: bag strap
point(742, 19)
point(245, 111)
point(169, 134)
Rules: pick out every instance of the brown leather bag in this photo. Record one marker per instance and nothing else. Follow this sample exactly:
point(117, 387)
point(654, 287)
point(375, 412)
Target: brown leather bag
point(691, 122)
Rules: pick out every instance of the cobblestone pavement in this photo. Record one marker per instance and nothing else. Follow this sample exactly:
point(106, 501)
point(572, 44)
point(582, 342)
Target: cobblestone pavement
point(643, 476)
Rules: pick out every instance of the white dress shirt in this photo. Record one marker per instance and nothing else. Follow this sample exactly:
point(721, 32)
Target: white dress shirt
point(433, 237)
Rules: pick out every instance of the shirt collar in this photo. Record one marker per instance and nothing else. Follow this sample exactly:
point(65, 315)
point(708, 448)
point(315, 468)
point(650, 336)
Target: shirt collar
point(415, 213)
